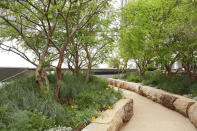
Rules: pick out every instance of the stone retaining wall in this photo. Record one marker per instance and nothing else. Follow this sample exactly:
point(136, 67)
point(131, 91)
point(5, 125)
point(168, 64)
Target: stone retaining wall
point(183, 105)
point(113, 119)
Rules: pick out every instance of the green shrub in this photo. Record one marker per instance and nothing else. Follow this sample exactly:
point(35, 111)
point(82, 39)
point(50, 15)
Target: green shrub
point(135, 76)
point(125, 75)
point(72, 85)
point(152, 78)
point(193, 90)
point(21, 102)
point(173, 83)
point(26, 120)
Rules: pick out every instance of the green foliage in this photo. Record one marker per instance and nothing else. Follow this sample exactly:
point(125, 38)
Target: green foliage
point(26, 120)
point(85, 97)
point(134, 76)
point(151, 32)
point(152, 78)
point(193, 90)
point(92, 44)
point(22, 107)
point(114, 62)
point(174, 84)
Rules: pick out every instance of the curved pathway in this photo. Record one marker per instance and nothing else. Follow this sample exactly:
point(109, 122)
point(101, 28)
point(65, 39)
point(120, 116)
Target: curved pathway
point(151, 116)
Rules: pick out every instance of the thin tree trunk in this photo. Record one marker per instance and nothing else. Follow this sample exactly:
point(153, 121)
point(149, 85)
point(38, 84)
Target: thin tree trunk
point(187, 69)
point(77, 70)
point(189, 72)
point(46, 78)
point(59, 76)
point(38, 77)
point(89, 64)
point(141, 69)
point(142, 72)
point(59, 69)
point(189, 75)
point(168, 69)
point(88, 72)
point(125, 65)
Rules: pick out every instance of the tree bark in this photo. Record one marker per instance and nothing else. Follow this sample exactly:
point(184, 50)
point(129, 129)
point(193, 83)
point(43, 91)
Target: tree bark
point(141, 68)
point(38, 77)
point(77, 70)
point(187, 69)
point(89, 64)
point(77, 67)
point(88, 72)
point(168, 69)
point(142, 72)
point(189, 72)
point(59, 76)
point(46, 78)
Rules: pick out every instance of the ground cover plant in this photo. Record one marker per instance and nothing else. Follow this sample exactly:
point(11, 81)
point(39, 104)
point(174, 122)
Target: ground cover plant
point(178, 84)
point(22, 107)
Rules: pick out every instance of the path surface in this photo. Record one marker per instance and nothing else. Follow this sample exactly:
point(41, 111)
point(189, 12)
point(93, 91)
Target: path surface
point(151, 116)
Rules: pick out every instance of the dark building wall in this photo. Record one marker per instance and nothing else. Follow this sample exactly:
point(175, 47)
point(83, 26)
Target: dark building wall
point(7, 73)
point(11, 72)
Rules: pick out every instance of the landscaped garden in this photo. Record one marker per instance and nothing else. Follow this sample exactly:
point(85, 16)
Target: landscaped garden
point(22, 107)
point(178, 84)
point(81, 34)
point(54, 34)
point(159, 35)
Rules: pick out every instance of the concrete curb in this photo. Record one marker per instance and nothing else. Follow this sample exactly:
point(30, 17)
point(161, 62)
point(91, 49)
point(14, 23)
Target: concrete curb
point(182, 105)
point(113, 120)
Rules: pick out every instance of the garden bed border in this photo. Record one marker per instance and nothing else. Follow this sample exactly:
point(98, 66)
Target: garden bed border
point(182, 105)
point(113, 119)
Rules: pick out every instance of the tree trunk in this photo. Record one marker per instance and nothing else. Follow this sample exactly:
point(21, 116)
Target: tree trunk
point(142, 72)
point(187, 69)
point(189, 72)
point(189, 75)
point(46, 79)
point(125, 65)
point(59, 76)
point(88, 72)
point(140, 67)
point(38, 77)
point(77, 70)
point(89, 64)
point(168, 69)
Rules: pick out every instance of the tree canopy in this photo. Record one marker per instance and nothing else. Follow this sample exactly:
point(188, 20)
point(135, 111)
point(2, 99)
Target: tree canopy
point(159, 33)
point(47, 28)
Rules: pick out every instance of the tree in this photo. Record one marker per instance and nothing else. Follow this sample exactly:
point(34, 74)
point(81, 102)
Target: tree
point(36, 27)
point(91, 45)
point(98, 41)
point(153, 32)
point(136, 39)
point(32, 24)
point(78, 14)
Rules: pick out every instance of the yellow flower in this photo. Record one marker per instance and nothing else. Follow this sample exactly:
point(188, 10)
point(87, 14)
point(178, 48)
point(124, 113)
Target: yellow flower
point(72, 107)
point(99, 113)
point(96, 111)
point(107, 89)
point(110, 107)
point(120, 99)
point(93, 118)
point(104, 105)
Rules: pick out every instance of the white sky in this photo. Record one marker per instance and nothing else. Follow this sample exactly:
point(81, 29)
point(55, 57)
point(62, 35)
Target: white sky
point(8, 59)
